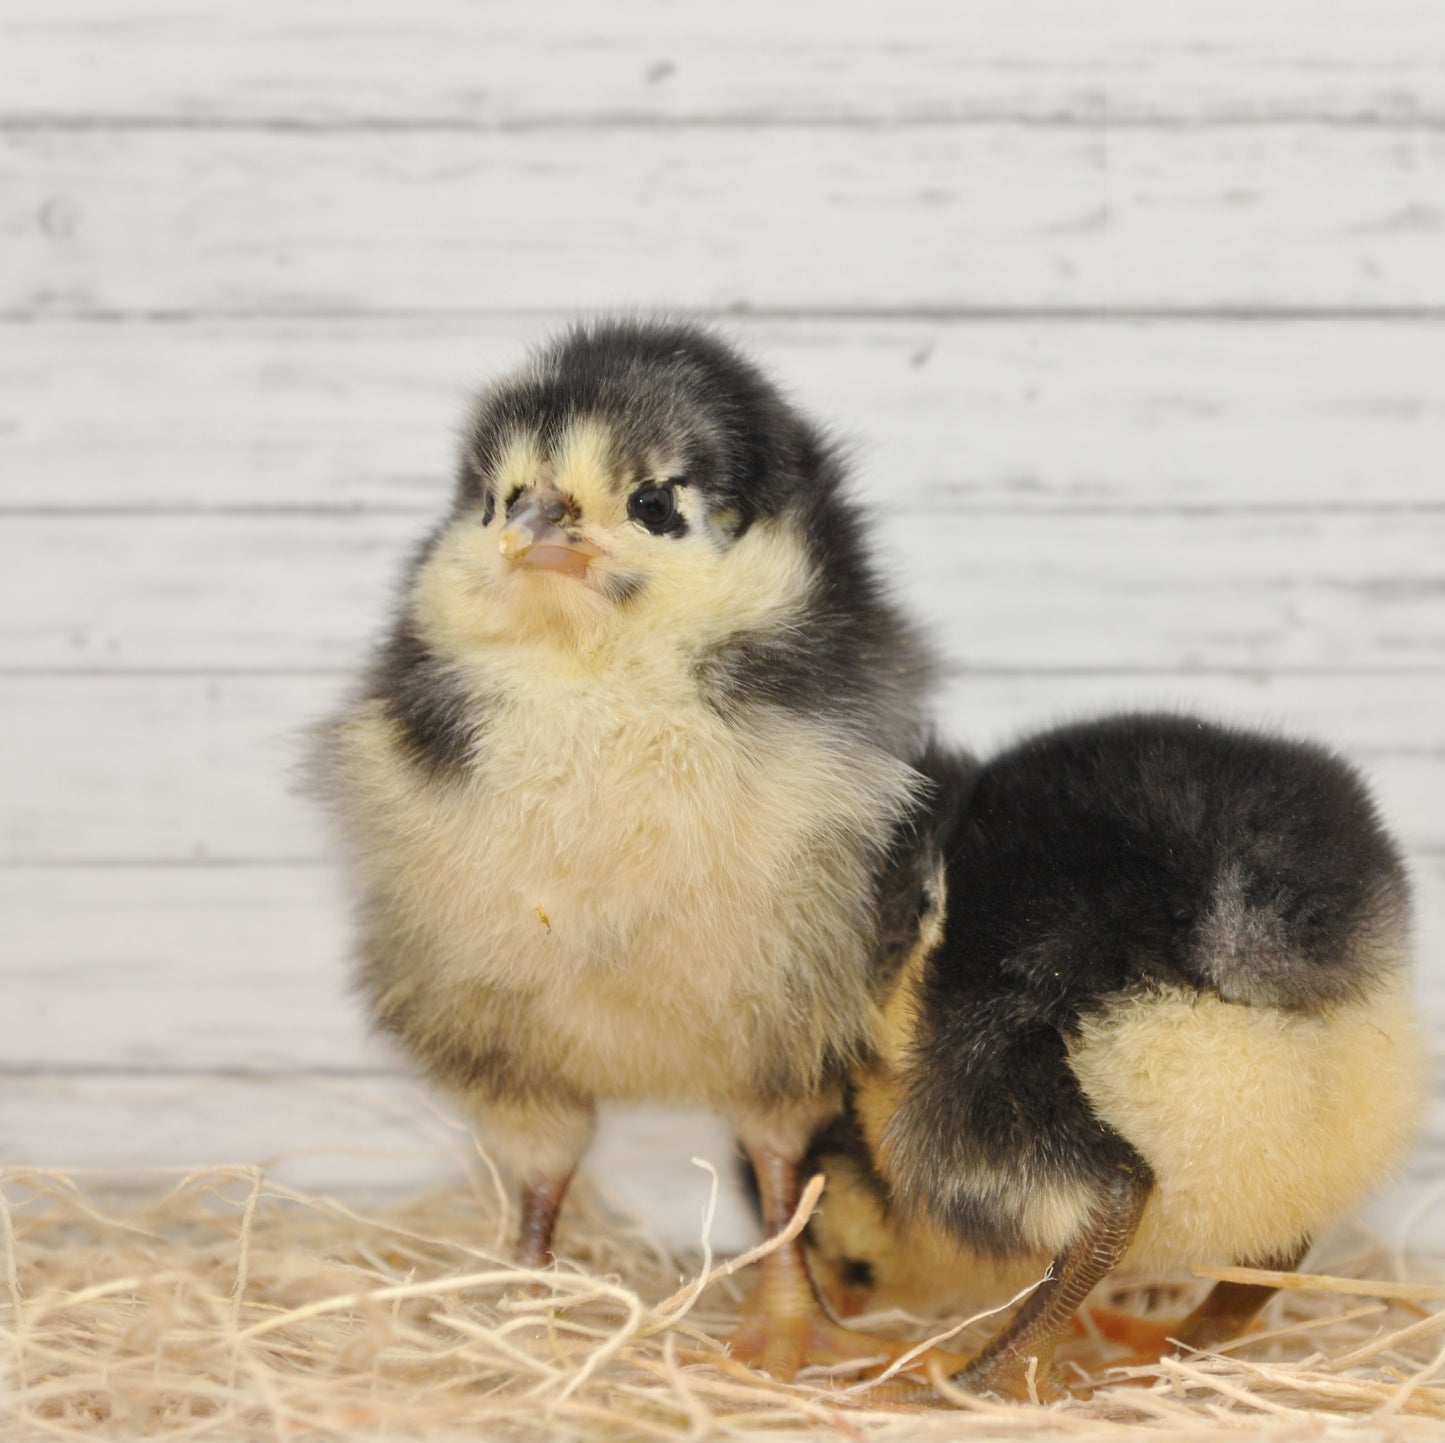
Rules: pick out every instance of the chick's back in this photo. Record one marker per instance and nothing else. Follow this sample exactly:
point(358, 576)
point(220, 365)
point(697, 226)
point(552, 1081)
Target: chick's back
point(1169, 945)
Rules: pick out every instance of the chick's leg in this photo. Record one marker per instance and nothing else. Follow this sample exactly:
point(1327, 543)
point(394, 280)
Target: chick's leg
point(784, 1327)
point(778, 1313)
point(1004, 1364)
point(1227, 1310)
point(540, 1143)
point(541, 1202)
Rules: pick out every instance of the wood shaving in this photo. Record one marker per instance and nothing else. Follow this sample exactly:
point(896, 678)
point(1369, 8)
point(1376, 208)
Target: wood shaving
point(222, 1304)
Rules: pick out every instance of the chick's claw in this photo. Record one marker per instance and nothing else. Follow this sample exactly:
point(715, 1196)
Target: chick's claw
point(1015, 1377)
point(1228, 1311)
point(782, 1346)
point(1019, 1380)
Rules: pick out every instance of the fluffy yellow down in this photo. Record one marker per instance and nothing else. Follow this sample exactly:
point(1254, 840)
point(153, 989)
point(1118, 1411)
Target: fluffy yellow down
point(1262, 1126)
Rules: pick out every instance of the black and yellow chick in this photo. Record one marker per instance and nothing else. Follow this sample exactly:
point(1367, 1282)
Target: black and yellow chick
point(620, 781)
point(1157, 1016)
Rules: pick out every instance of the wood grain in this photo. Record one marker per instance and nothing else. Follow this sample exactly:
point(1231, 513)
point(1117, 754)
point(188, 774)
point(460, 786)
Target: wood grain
point(1357, 590)
point(358, 413)
point(988, 218)
point(1135, 315)
point(444, 62)
point(209, 969)
point(193, 770)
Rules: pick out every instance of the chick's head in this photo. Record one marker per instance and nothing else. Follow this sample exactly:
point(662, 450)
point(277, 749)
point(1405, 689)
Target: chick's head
point(865, 1256)
point(635, 477)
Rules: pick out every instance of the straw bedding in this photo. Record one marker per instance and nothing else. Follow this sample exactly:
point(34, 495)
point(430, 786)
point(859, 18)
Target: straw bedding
point(225, 1305)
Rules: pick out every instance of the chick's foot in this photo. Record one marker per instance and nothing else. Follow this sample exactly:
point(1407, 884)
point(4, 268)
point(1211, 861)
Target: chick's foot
point(1141, 1336)
point(784, 1328)
point(1021, 1380)
point(1011, 1375)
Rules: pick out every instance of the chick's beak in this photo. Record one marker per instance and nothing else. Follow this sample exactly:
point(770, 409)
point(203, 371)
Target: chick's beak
point(535, 537)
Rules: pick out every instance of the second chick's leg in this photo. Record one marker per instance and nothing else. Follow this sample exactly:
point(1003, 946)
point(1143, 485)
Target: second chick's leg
point(1229, 1308)
point(1226, 1311)
point(1003, 1365)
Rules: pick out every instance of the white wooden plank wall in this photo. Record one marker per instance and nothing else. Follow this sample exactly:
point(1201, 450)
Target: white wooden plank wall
point(1135, 314)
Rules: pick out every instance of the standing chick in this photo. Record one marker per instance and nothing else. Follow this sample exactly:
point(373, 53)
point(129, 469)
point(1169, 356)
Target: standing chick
point(1165, 1022)
point(619, 784)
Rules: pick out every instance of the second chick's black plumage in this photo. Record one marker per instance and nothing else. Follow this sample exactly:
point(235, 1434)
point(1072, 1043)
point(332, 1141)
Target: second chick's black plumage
point(619, 783)
point(1157, 1015)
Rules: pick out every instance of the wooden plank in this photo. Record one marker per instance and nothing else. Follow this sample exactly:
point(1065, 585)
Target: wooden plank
point(1160, 590)
point(338, 1130)
point(800, 219)
point(169, 770)
point(238, 414)
point(507, 63)
point(200, 969)
point(184, 770)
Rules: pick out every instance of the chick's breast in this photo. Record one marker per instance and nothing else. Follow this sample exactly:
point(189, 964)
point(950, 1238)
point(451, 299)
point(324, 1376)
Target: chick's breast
point(617, 788)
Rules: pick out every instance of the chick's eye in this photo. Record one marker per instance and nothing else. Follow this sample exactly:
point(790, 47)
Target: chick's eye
point(655, 507)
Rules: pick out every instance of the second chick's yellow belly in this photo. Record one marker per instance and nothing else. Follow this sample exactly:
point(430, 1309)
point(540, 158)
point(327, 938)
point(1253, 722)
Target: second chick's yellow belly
point(642, 901)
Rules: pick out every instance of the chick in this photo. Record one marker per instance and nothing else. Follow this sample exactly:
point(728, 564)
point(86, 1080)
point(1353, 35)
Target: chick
point(618, 786)
point(1165, 1022)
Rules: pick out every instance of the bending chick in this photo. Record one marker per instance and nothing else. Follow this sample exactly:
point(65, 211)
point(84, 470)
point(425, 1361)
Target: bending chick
point(619, 784)
point(1165, 1022)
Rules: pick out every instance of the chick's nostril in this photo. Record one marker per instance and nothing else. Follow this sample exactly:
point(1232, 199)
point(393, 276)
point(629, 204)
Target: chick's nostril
point(556, 511)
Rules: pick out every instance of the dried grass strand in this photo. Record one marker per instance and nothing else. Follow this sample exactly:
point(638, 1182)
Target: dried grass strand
point(221, 1304)
point(1325, 1283)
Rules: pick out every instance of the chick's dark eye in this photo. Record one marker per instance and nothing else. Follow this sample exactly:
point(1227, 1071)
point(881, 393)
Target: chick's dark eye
point(856, 1273)
point(655, 507)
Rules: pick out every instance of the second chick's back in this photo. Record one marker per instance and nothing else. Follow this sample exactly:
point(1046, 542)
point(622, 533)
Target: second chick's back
point(617, 787)
point(1156, 1014)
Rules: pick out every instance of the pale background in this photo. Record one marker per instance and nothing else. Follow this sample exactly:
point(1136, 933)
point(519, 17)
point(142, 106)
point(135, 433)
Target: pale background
point(1136, 313)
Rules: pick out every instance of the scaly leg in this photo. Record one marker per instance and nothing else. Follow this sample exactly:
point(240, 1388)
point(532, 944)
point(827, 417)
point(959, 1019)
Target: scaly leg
point(540, 1143)
point(541, 1201)
point(784, 1327)
point(1227, 1310)
point(1003, 1365)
